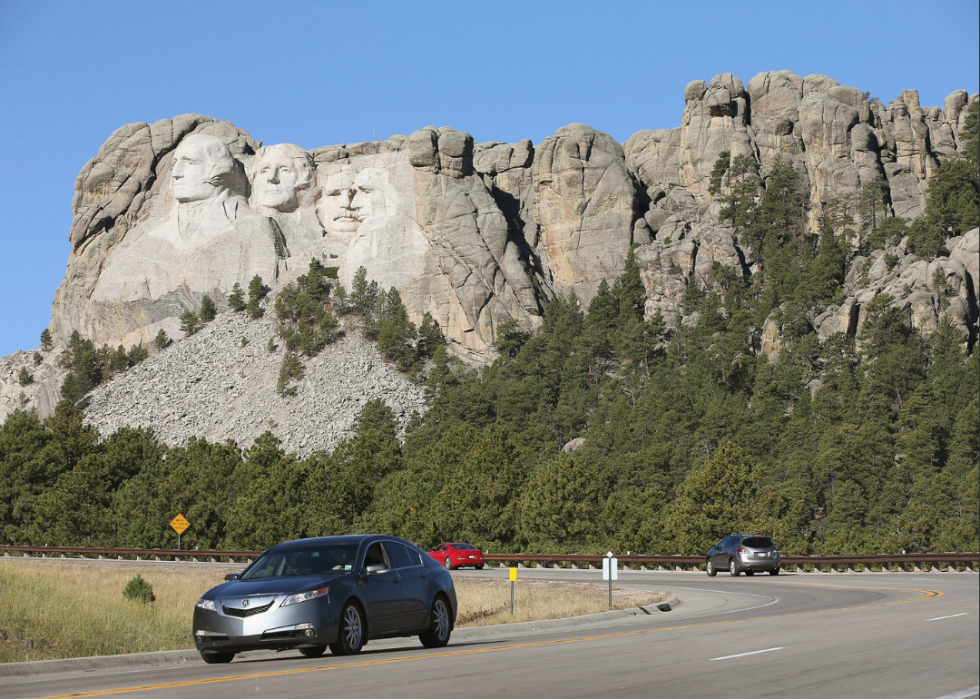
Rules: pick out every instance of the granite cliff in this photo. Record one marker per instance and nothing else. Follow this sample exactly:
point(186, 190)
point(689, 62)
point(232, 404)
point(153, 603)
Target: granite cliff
point(477, 234)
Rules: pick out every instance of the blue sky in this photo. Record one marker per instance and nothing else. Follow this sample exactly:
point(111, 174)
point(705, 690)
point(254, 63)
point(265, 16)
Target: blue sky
point(320, 73)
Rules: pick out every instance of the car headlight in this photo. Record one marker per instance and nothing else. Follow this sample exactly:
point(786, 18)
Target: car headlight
point(305, 596)
point(206, 604)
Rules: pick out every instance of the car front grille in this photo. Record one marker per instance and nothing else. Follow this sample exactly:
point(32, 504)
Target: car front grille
point(232, 611)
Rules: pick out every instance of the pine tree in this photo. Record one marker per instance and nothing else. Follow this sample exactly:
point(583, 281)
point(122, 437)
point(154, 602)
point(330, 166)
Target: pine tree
point(46, 343)
point(236, 301)
point(161, 341)
point(189, 322)
point(208, 309)
point(257, 291)
point(24, 377)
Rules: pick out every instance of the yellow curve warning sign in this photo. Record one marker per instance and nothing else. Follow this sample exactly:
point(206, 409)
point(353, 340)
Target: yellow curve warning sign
point(179, 524)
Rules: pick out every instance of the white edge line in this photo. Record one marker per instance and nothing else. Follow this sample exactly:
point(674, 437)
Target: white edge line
point(754, 652)
point(951, 616)
point(971, 692)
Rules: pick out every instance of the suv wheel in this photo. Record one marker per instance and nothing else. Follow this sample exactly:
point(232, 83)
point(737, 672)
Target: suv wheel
point(710, 568)
point(733, 568)
point(774, 571)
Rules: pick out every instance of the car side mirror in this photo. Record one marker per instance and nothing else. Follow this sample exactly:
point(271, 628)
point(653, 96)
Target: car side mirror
point(232, 576)
point(375, 568)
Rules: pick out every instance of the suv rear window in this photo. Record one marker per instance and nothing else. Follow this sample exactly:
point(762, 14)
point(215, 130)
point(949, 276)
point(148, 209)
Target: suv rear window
point(757, 542)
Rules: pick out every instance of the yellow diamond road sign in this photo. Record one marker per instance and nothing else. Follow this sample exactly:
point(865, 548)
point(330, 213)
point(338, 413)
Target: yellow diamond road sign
point(179, 524)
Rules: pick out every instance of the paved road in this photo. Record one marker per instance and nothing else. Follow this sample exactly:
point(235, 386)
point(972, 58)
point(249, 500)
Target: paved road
point(806, 635)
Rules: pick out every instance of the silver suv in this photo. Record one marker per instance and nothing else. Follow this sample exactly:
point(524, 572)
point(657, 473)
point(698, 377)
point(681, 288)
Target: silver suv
point(740, 553)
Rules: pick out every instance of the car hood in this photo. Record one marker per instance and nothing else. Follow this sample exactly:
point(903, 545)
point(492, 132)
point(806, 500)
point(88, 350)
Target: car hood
point(273, 586)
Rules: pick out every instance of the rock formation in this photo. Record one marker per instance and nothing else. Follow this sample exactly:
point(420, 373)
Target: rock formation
point(481, 233)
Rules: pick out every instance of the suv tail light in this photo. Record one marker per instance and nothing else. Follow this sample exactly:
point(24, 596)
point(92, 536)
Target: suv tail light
point(741, 550)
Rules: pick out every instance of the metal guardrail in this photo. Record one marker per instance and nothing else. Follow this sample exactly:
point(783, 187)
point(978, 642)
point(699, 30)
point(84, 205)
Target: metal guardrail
point(848, 561)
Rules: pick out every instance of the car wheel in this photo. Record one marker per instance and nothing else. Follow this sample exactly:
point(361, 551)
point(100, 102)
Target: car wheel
point(440, 625)
point(750, 573)
point(479, 567)
point(774, 571)
point(314, 652)
point(448, 563)
point(351, 637)
point(217, 658)
point(711, 570)
point(733, 568)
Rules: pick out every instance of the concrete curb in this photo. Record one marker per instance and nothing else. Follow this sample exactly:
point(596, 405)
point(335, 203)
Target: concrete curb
point(179, 657)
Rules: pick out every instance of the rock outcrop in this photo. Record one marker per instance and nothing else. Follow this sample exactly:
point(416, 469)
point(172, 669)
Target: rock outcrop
point(477, 234)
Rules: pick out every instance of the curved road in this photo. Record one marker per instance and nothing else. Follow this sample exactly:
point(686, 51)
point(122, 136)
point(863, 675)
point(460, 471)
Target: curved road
point(804, 635)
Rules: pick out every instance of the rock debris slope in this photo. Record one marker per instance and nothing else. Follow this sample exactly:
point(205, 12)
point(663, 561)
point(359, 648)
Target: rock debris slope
point(208, 385)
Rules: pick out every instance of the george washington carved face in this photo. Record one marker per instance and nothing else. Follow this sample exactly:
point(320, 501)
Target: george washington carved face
point(282, 175)
point(203, 168)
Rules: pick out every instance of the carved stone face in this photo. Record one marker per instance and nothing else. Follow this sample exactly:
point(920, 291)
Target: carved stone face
point(203, 167)
point(337, 211)
point(279, 174)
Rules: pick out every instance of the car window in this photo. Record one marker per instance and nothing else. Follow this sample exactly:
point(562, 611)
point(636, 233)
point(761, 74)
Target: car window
point(441, 547)
point(312, 560)
point(757, 542)
point(414, 555)
point(721, 544)
point(374, 555)
point(464, 547)
point(397, 555)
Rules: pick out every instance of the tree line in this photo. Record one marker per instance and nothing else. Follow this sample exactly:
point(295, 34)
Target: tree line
point(688, 432)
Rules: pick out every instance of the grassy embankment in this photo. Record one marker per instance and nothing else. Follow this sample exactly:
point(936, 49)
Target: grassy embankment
point(64, 610)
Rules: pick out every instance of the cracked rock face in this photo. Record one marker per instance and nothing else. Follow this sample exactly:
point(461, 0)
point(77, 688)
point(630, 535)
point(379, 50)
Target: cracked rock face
point(477, 234)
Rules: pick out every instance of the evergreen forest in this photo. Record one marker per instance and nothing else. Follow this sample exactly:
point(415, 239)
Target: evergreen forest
point(684, 432)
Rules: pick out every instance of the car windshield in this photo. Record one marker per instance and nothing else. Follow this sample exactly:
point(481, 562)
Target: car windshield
point(463, 547)
point(757, 542)
point(329, 559)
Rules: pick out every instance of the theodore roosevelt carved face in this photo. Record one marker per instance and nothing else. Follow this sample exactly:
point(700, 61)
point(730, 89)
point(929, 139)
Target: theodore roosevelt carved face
point(203, 168)
point(349, 200)
point(282, 177)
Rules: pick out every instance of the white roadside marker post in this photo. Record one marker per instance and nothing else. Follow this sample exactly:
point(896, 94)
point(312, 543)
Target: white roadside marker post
point(610, 572)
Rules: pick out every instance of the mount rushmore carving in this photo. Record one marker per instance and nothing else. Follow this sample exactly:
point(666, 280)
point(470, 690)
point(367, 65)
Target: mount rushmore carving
point(478, 234)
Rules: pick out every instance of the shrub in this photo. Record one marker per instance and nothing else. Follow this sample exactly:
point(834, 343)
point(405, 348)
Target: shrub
point(208, 309)
point(161, 341)
point(139, 590)
point(189, 322)
point(24, 377)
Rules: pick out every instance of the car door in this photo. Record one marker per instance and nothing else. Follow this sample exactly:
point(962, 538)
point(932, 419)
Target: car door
point(382, 592)
point(720, 558)
point(412, 601)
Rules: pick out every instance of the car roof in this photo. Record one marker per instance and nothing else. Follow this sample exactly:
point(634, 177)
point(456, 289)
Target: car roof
point(346, 539)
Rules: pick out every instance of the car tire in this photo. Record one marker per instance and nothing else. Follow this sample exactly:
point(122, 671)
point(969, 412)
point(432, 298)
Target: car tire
point(733, 568)
point(440, 625)
point(217, 658)
point(750, 573)
point(479, 567)
point(448, 564)
point(350, 635)
point(710, 569)
point(774, 571)
point(314, 652)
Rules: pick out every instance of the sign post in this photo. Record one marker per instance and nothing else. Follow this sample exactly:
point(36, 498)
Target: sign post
point(513, 579)
point(610, 572)
point(179, 525)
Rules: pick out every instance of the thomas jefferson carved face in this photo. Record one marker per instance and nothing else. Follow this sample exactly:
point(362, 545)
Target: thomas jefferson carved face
point(203, 167)
point(280, 175)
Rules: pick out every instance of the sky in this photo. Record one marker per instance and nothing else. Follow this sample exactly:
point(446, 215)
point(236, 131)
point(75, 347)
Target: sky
point(324, 73)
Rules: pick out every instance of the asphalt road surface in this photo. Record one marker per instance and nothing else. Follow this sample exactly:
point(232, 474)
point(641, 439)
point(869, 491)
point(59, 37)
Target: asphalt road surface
point(804, 635)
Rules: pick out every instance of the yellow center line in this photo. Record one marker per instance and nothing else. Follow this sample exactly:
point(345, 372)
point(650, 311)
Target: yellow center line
point(926, 594)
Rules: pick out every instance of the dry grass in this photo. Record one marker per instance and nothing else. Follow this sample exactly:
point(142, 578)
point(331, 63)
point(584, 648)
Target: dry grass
point(67, 610)
point(485, 602)
point(71, 609)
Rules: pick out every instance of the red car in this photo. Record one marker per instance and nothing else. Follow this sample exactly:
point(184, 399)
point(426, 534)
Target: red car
point(457, 555)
